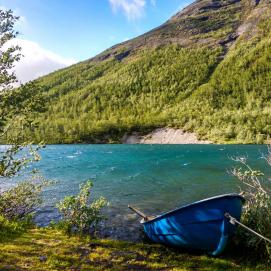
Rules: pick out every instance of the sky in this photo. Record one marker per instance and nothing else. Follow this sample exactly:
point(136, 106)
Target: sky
point(58, 33)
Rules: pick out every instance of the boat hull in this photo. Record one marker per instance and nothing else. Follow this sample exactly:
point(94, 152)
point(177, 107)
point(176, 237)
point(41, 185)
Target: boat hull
point(201, 225)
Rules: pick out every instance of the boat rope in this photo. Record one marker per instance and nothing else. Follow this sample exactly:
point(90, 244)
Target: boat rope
point(234, 221)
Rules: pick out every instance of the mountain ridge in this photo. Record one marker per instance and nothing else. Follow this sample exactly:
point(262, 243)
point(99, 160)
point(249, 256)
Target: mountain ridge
point(188, 15)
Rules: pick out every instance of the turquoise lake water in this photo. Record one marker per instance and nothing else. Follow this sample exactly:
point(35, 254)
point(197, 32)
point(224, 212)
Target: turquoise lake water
point(155, 178)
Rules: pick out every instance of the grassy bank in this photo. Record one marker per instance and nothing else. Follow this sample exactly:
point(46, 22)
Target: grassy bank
point(50, 249)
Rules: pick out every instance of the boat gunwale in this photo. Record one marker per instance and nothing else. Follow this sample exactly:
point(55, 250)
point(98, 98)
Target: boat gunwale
point(230, 195)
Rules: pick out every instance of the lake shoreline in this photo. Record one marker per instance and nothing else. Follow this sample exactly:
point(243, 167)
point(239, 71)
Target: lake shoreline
point(163, 136)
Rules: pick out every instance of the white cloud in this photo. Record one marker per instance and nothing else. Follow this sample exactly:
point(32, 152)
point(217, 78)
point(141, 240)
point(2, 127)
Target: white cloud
point(132, 9)
point(36, 61)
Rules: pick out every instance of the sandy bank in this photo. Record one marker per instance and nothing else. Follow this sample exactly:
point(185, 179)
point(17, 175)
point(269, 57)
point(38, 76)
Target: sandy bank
point(163, 136)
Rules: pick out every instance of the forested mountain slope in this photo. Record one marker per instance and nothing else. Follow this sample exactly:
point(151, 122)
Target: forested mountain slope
point(206, 70)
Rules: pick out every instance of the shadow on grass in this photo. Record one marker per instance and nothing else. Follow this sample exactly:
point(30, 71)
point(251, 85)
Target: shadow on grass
point(45, 249)
point(12, 229)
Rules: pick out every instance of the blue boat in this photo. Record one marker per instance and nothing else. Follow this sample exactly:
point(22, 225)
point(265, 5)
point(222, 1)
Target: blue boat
point(201, 225)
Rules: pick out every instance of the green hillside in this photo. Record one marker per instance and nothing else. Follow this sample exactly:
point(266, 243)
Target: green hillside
point(206, 70)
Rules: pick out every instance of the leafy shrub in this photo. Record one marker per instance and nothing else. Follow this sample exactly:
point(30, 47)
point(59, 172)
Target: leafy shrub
point(78, 215)
point(16, 157)
point(257, 210)
point(21, 201)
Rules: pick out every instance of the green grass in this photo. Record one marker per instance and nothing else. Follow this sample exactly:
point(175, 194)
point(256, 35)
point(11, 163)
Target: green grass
point(50, 249)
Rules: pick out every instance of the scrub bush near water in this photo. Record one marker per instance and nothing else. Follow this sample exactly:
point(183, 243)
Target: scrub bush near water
point(21, 201)
point(257, 210)
point(78, 215)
